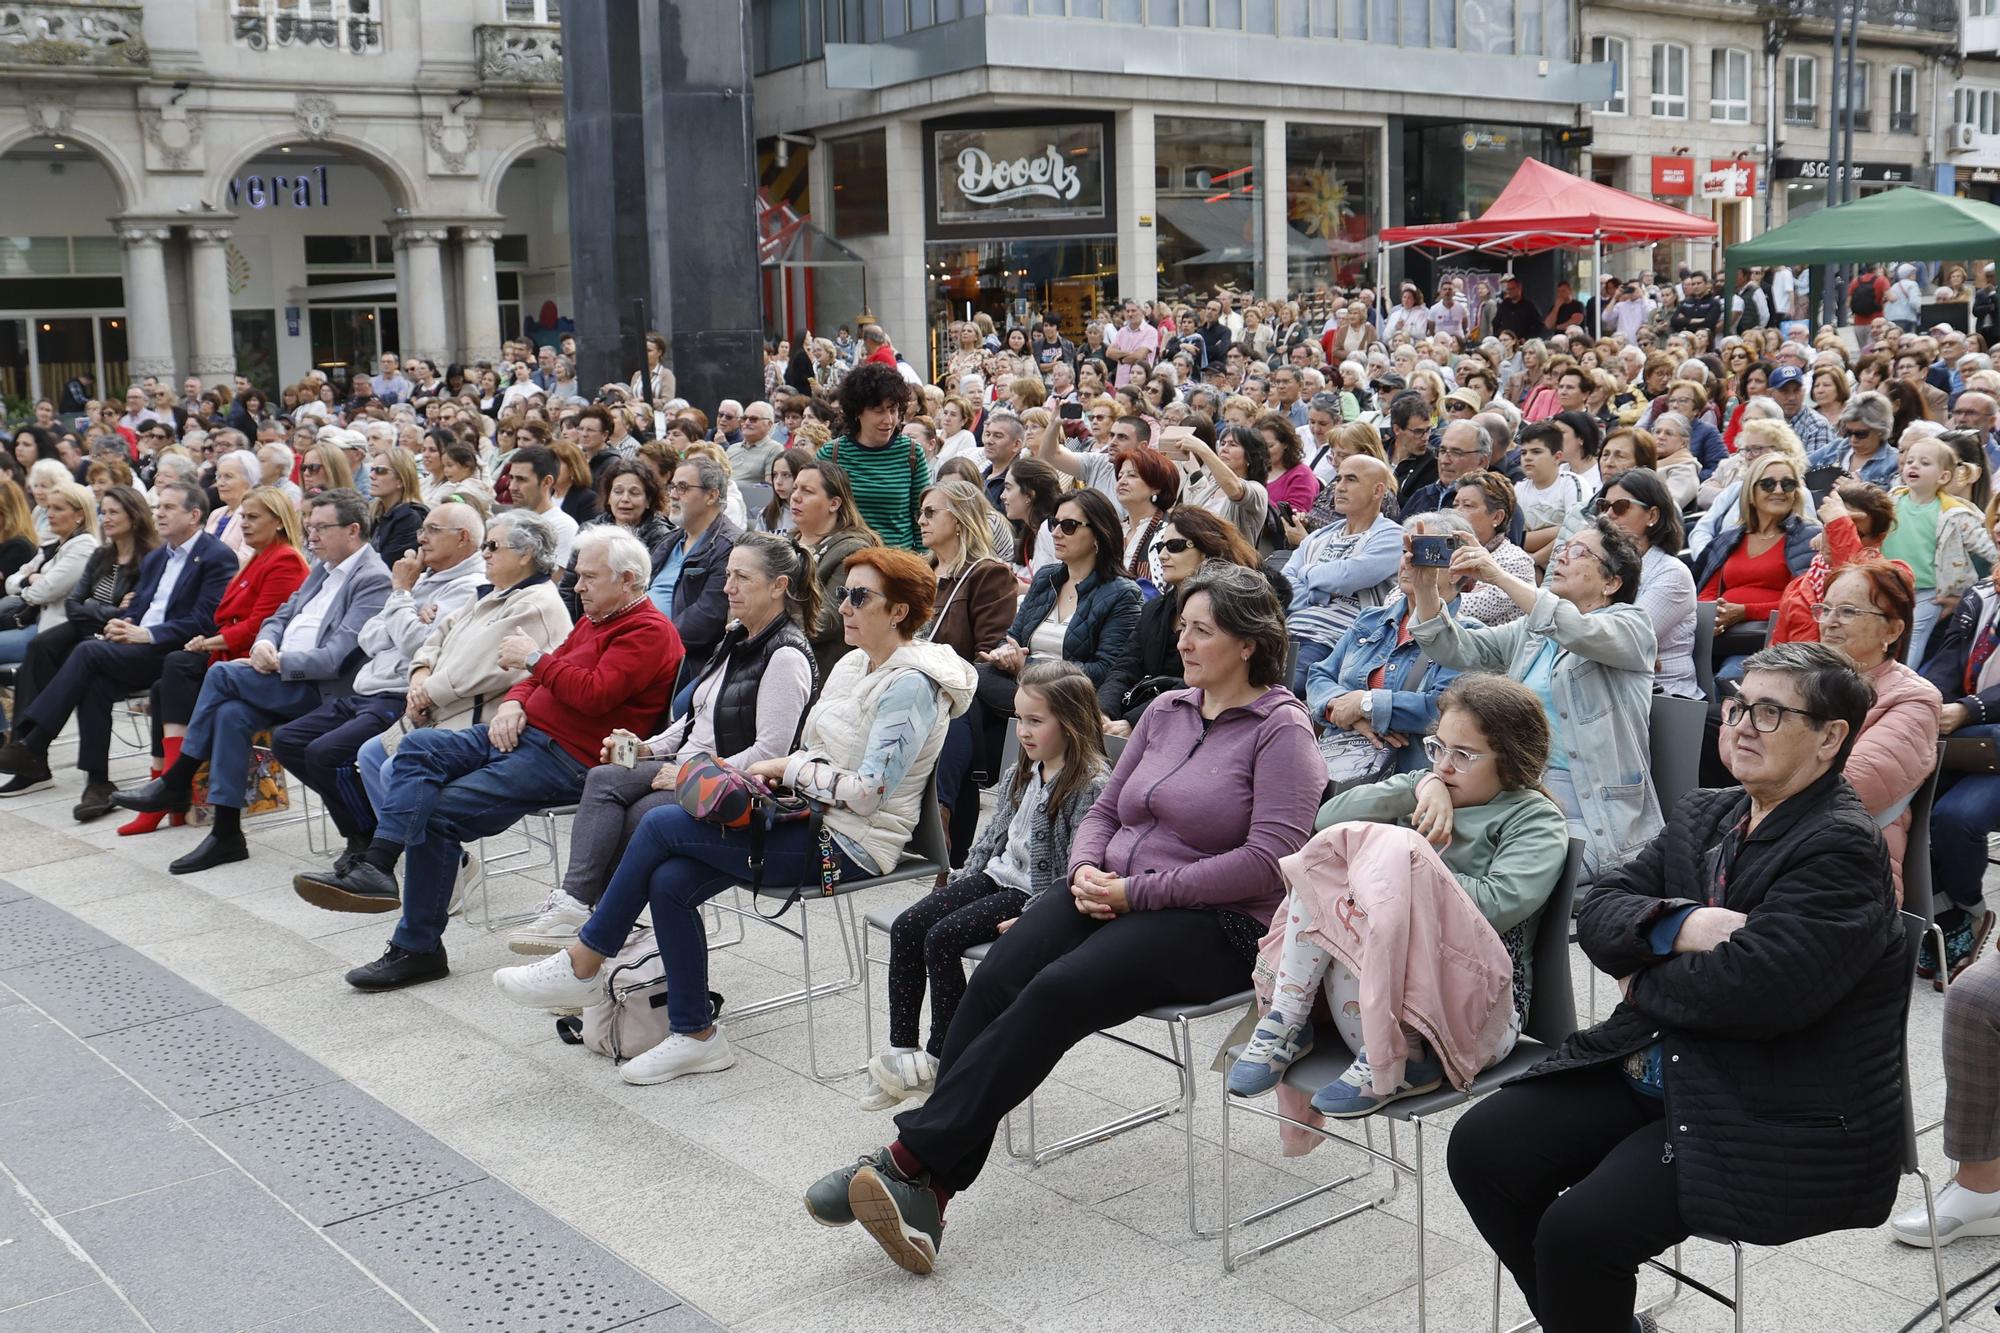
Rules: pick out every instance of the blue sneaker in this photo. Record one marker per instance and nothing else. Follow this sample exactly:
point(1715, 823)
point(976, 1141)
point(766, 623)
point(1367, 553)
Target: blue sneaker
point(1352, 1095)
point(1274, 1046)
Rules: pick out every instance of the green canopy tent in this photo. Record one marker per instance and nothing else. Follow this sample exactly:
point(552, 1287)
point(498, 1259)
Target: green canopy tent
point(1903, 223)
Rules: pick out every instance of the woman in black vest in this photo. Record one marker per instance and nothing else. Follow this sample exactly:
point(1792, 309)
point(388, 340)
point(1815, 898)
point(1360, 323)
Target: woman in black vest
point(748, 703)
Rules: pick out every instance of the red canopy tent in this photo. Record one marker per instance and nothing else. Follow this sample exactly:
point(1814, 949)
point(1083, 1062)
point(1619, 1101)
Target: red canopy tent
point(1545, 208)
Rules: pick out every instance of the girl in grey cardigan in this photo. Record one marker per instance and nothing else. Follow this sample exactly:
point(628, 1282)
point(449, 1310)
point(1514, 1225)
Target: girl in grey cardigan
point(1023, 852)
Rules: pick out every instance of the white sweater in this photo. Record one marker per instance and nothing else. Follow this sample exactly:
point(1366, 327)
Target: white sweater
point(59, 574)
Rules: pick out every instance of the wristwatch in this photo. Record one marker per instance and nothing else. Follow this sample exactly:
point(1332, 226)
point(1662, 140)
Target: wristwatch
point(533, 658)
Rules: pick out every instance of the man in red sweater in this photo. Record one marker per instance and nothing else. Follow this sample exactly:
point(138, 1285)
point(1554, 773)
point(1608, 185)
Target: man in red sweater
point(615, 670)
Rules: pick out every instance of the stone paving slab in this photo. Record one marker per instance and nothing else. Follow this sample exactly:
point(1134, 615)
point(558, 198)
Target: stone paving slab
point(167, 1164)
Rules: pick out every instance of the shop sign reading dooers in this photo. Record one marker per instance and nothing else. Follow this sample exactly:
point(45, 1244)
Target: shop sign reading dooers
point(1020, 173)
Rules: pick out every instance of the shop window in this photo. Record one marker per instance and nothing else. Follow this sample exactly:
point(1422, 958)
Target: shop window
point(1989, 113)
point(33, 256)
point(1611, 51)
point(1670, 81)
point(860, 185)
point(1964, 106)
point(340, 250)
point(354, 26)
point(1902, 99)
point(1729, 87)
point(1209, 206)
point(1801, 90)
point(1332, 198)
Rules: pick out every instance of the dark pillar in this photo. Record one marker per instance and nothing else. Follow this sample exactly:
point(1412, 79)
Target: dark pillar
point(604, 120)
point(701, 196)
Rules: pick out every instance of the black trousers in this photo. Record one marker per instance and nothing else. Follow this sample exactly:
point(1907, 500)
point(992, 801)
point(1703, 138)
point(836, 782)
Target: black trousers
point(96, 676)
point(177, 691)
point(1571, 1181)
point(926, 941)
point(1053, 979)
point(319, 749)
point(47, 651)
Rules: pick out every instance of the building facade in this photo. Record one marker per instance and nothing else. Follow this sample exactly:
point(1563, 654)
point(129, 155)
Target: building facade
point(1969, 129)
point(1009, 157)
point(205, 186)
point(1723, 107)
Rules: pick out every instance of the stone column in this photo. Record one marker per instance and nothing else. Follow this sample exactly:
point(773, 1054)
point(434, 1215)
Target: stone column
point(1271, 179)
point(149, 335)
point(421, 296)
point(214, 354)
point(605, 121)
point(1138, 231)
point(478, 297)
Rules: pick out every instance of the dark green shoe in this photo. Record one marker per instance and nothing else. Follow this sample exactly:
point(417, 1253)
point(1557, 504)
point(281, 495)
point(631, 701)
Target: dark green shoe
point(902, 1215)
point(826, 1198)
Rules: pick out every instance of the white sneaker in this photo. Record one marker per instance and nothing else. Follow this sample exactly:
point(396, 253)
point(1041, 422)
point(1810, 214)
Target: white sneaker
point(1960, 1212)
point(560, 917)
point(549, 983)
point(903, 1074)
point(679, 1054)
point(469, 868)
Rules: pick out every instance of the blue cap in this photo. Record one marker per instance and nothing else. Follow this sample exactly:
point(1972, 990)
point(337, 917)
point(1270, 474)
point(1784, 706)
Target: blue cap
point(1784, 375)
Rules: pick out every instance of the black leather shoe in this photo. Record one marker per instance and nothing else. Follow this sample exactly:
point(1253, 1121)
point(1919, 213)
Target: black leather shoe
point(18, 758)
point(343, 863)
point(362, 888)
point(29, 780)
point(214, 851)
point(155, 798)
point(397, 968)
point(96, 802)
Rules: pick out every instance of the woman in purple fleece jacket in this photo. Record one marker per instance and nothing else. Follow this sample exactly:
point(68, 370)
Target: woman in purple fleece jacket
point(1173, 879)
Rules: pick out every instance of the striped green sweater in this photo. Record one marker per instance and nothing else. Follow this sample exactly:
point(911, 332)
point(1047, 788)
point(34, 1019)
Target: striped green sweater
point(889, 483)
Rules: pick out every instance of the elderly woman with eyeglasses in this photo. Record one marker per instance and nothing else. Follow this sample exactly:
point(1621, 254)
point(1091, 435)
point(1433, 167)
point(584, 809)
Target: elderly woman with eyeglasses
point(1588, 650)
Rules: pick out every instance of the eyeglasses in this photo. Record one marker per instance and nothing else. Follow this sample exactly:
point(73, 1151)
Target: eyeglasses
point(854, 597)
point(1856, 434)
point(1765, 716)
point(1453, 406)
point(1773, 485)
point(311, 467)
point(1438, 752)
point(1462, 455)
point(1620, 507)
point(1172, 545)
point(314, 529)
point(381, 471)
point(489, 548)
point(1581, 551)
point(931, 511)
point(1066, 526)
point(1843, 615)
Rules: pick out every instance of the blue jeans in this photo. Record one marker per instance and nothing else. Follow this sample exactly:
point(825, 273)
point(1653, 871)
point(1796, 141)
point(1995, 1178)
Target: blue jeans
point(237, 700)
point(446, 788)
point(1311, 653)
point(371, 761)
point(1922, 624)
point(1967, 809)
point(676, 863)
point(13, 648)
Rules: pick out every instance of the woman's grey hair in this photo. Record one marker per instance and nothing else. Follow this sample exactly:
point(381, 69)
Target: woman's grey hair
point(1679, 420)
point(246, 463)
point(624, 553)
point(527, 533)
point(1830, 689)
point(1763, 408)
point(1245, 607)
point(281, 454)
point(178, 467)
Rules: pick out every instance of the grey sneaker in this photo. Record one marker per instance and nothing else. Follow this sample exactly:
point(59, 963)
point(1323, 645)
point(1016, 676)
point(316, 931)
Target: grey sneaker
point(826, 1198)
point(902, 1215)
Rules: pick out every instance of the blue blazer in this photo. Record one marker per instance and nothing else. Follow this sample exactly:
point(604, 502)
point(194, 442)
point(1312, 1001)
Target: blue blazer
point(1705, 443)
point(191, 605)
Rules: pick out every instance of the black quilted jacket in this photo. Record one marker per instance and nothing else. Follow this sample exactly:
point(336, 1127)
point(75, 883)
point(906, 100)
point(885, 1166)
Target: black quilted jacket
point(1783, 1045)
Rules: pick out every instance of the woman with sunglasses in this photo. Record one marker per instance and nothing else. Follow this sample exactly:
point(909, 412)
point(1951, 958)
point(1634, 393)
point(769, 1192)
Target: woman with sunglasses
point(1190, 540)
point(1080, 609)
point(1586, 648)
point(828, 523)
point(398, 509)
point(1481, 847)
point(1746, 569)
point(1638, 504)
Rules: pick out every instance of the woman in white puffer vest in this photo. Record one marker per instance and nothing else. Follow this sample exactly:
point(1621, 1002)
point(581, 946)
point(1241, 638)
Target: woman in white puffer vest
point(865, 754)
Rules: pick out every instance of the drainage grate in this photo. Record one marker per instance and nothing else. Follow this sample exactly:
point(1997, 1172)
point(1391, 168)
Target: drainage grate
point(105, 991)
point(210, 1061)
point(335, 1153)
point(31, 931)
point(482, 1257)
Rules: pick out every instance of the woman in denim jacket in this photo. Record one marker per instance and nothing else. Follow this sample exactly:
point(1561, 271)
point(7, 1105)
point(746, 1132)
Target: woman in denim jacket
point(1587, 649)
point(1368, 724)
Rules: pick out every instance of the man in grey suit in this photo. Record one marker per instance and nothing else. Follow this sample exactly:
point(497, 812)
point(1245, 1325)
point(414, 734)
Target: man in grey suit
point(306, 652)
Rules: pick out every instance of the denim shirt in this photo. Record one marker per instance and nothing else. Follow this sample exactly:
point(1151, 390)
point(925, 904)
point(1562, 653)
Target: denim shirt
point(1107, 610)
point(1603, 689)
point(1880, 469)
point(1404, 704)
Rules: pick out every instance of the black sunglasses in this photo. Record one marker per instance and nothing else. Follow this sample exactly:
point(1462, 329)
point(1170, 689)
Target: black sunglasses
point(854, 597)
point(1172, 545)
point(1066, 526)
point(1772, 485)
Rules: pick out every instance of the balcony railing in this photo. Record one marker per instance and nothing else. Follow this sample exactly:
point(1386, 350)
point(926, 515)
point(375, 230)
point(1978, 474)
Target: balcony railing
point(98, 37)
point(520, 53)
point(1939, 16)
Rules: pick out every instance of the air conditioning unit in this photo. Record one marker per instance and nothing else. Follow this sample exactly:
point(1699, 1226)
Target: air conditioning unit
point(1964, 136)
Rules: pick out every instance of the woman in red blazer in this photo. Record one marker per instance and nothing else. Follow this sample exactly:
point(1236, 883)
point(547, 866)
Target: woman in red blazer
point(277, 567)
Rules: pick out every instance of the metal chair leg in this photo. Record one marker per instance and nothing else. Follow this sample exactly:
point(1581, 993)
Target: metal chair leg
point(1423, 1272)
point(1937, 1251)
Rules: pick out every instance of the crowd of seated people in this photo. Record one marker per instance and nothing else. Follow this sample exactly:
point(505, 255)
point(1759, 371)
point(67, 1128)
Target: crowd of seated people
point(1458, 562)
